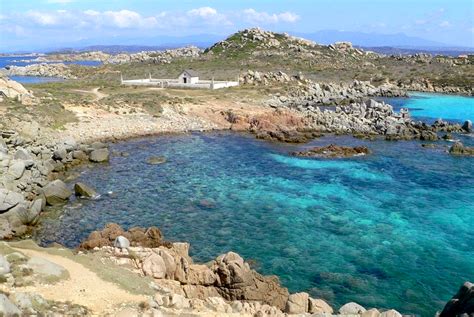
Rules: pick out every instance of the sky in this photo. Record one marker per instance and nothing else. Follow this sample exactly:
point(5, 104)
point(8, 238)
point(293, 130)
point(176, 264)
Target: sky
point(40, 24)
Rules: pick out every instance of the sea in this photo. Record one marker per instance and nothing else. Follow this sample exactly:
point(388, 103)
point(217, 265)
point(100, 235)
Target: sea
point(393, 229)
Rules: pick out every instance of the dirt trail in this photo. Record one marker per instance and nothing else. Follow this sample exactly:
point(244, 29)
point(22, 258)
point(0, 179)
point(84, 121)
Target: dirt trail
point(83, 287)
point(98, 95)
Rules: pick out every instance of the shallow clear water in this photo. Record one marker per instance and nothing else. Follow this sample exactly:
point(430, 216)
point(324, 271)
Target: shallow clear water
point(393, 229)
point(429, 107)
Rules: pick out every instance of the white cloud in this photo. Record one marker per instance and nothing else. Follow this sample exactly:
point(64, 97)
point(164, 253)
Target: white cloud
point(445, 24)
point(203, 12)
point(128, 19)
point(254, 16)
point(59, 1)
point(43, 18)
point(206, 15)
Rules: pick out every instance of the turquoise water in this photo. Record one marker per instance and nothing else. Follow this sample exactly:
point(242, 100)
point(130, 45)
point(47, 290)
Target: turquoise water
point(391, 230)
point(429, 107)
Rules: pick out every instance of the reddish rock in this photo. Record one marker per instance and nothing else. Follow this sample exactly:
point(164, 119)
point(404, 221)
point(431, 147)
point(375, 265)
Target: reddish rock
point(334, 151)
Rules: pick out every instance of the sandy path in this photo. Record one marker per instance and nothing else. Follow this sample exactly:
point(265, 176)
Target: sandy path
point(98, 95)
point(84, 287)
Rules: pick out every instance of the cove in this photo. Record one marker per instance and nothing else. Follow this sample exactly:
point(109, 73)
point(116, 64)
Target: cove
point(393, 229)
point(430, 106)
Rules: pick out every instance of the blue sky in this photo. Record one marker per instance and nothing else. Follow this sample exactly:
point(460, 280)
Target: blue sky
point(33, 24)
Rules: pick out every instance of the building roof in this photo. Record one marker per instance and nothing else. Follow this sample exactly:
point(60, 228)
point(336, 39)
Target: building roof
point(191, 72)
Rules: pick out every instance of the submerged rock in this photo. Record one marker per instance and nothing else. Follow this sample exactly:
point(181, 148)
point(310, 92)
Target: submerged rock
point(334, 151)
point(155, 160)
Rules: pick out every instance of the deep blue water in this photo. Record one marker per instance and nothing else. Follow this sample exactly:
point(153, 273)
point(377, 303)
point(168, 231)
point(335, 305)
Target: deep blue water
point(393, 229)
point(28, 60)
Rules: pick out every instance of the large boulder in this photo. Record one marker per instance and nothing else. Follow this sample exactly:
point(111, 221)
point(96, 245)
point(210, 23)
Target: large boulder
point(154, 266)
point(9, 199)
point(16, 169)
point(4, 265)
point(390, 313)
point(459, 149)
point(462, 304)
point(352, 309)
point(56, 192)
point(7, 308)
point(319, 306)
point(297, 303)
point(99, 156)
point(238, 281)
point(121, 242)
point(22, 154)
point(467, 126)
point(48, 270)
point(82, 190)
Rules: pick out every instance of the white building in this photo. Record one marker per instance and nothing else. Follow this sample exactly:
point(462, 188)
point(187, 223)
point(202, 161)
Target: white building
point(187, 79)
point(188, 76)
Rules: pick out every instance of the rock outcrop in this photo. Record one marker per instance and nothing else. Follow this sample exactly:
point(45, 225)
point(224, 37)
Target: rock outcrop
point(462, 304)
point(459, 149)
point(334, 151)
point(14, 90)
point(156, 57)
point(224, 285)
point(58, 70)
point(150, 238)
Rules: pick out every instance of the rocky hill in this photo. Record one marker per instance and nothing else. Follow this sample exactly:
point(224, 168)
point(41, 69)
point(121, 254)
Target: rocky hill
point(257, 42)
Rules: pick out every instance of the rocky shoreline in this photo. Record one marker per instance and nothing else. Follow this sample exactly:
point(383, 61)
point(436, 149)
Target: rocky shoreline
point(171, 284)
point(32, 169)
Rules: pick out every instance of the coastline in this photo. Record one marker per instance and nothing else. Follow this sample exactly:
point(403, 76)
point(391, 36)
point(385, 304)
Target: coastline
point(113, 128)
